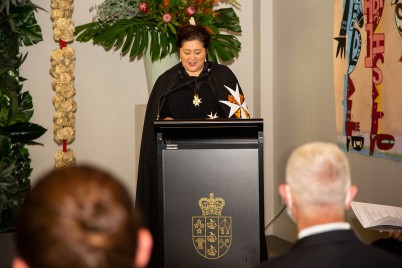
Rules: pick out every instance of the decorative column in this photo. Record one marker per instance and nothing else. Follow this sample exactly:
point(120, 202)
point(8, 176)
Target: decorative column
point(62, 71)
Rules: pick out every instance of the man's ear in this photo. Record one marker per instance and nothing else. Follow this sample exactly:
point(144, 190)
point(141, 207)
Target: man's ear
point(350, 196)
point(19, 263)
point(284, 193)
point(144, 248)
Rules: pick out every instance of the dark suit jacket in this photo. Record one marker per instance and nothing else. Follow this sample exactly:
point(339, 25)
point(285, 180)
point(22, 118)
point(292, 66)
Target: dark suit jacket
point(335, 249)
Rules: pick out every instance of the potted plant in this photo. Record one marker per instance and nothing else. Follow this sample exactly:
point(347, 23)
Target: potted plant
point(18, 27)
point(133, 26)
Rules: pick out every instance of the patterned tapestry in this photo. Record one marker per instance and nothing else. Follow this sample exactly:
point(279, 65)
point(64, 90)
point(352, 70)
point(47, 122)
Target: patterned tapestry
point(367, 55)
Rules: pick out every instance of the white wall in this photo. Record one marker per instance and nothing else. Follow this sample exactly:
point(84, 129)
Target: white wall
point(264, 61)
point(110, 90)
point(304, 108)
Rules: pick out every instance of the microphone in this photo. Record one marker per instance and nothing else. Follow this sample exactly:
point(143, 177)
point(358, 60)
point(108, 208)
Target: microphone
point(163, 96)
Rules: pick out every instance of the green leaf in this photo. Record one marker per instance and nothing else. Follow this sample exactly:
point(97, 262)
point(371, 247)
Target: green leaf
point(24, 132)
point(4, 110)
point(107, 38)
point(119, 40)
point(140, 42)
point(155, 48)
point(13, 105)
point(228, 14)
point(225, 46)
point(172, 28)
point(164, 42)
point(135, 46)
point(212, 53)
point(5, 145)
point(86, 32)
point(214, 29)
point(206, 20)
point(26, 25)
point(25, 108)
point(227, 19)
point(5, 172)
point(144, 41)
point(129, 40)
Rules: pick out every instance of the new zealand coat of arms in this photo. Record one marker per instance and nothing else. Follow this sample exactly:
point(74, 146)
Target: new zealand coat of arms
point(212, 232)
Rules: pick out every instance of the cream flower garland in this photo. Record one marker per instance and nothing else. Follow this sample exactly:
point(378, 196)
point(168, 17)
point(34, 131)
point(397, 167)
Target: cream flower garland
point(62, 62)
point(63, 159)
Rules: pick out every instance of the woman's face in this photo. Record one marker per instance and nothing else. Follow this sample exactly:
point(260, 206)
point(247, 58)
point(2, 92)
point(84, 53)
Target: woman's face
point(193, 55)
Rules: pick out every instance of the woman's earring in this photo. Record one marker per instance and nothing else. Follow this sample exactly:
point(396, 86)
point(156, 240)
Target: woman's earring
point(205, 60)
point(180, 60)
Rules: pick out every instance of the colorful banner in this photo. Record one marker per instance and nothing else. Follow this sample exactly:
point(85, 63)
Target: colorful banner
point(368, 76)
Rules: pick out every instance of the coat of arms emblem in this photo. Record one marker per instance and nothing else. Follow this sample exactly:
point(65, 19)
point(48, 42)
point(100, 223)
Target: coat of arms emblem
point(212, 232)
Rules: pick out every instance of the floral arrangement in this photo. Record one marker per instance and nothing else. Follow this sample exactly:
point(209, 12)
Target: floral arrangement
point(62, 70)
point(133, 26)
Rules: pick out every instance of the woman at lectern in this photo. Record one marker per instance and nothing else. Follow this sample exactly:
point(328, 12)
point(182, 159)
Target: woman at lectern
point(195, 88)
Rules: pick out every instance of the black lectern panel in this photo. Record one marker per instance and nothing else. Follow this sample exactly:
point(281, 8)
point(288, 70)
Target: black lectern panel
point(211, 192)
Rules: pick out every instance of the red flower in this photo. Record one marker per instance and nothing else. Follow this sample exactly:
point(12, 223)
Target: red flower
point(190, 11)
point(167, 18)
point(143, 7)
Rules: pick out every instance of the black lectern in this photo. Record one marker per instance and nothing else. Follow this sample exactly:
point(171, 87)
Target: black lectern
point(211, 192)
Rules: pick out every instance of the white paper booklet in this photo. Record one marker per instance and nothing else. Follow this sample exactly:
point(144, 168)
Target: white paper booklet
point(379, 217)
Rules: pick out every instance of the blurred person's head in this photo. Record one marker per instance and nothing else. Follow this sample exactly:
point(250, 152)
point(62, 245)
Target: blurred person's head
point(80, 217)
point(318, 185)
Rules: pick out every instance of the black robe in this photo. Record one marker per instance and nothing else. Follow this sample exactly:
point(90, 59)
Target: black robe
point(219, 78)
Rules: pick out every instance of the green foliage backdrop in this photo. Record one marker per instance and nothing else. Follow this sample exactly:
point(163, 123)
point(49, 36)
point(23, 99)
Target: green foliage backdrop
point(18, 27)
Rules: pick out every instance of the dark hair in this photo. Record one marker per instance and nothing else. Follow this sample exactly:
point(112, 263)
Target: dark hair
point(77, 217)
point(187, 32)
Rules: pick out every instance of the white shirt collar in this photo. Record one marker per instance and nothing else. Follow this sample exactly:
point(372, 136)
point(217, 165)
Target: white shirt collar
point(317, 229)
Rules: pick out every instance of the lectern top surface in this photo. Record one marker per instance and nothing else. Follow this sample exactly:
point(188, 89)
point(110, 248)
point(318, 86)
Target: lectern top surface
point(209, 123)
